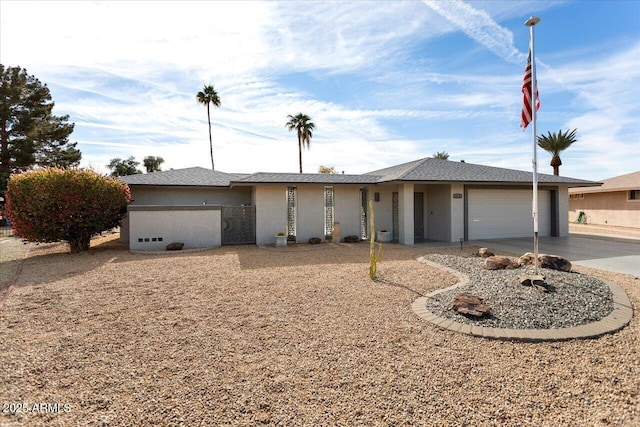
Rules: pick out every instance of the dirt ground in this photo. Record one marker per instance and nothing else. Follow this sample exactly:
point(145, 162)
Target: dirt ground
point(243, 335)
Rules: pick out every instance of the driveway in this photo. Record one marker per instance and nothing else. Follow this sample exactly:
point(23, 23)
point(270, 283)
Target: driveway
point(605, 253)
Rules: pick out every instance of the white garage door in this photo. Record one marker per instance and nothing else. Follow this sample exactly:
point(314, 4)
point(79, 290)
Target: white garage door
point(495, 214)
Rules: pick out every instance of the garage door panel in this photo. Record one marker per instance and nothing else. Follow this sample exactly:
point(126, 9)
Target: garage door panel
point(494, 214)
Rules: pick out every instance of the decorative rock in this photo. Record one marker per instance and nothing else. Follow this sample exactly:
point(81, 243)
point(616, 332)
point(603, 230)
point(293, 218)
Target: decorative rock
point(351, 239)
point(315, 240)
point(175, 246)
point(499, 263)
point(485, 253)
point(555, 262)
point(531, 280)
point(552, 262)
point(470, 305)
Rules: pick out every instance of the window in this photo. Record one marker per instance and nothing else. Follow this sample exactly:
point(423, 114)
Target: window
point(328, 210)
point(634, 194)
point(363, 212)
point(291, 213)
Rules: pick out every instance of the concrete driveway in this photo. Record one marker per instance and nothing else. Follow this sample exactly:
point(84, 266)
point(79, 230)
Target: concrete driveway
point(604, 253)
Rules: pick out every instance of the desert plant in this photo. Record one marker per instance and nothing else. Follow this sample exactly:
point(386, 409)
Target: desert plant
point(72, 205)
point(373, 256)
point(304, 127)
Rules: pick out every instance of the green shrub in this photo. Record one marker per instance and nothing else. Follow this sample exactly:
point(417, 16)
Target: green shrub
point(72, 205)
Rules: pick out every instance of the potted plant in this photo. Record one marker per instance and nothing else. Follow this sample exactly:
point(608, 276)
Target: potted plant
point(383, 235)
point(328, 238)
point(281, 239)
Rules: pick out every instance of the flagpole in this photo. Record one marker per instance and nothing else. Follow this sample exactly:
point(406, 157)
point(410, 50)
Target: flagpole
point(531, 22)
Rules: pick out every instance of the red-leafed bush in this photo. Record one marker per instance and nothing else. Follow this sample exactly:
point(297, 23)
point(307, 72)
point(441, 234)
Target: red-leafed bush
point(72, 205)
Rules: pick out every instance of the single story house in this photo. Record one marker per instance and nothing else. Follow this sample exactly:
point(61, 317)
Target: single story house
point(424, 199)
point(616, 202)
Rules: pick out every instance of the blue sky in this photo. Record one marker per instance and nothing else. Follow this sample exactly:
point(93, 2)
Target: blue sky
point(384, 82)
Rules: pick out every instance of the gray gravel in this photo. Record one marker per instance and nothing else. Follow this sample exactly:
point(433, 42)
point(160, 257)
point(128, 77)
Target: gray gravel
point(575, 299)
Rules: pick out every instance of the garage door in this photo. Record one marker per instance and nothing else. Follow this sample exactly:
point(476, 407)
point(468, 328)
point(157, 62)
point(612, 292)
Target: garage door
point(495, 214)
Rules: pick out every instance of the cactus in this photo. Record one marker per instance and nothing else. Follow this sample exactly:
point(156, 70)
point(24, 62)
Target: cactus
point(373, 256)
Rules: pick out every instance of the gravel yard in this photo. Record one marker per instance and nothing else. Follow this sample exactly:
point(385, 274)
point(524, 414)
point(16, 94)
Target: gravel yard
point(283, 336)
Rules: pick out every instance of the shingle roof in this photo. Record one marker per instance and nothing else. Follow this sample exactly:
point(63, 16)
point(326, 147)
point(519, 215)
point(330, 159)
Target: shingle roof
point(197, 177)
point(422, 170)
point(305, 178)
point(630, 181)
point(436, 170)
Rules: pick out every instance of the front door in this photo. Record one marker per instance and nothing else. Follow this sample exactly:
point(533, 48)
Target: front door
point(418, 215)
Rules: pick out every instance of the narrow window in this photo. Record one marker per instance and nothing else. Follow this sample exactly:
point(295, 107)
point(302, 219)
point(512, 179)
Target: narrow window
point(363, 212)
point(291, 213)
point(328, 210)
point(634, 194)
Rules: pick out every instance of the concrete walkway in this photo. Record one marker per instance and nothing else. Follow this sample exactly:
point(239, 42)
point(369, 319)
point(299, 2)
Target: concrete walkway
point(615, 254)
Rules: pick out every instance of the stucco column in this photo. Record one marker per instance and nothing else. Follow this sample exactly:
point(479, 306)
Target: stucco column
point(405, 214)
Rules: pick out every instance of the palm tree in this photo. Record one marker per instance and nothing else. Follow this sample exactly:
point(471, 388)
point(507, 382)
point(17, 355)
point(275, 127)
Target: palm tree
point(442, 155)
point(555, 144)
point(303, 124)
point(206, 97)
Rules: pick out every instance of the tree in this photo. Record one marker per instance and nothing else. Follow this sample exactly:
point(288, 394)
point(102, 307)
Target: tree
point(29, 134)
point(304, 127)
point(72, 205)
point(442, 155)
point(326, 169)
point(208, 96)
point(555, 144)
point(152, 163)
point(121, 167)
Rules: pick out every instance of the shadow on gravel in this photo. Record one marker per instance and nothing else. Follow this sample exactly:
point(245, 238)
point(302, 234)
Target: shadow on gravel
point(49, 262)
point(252, 257)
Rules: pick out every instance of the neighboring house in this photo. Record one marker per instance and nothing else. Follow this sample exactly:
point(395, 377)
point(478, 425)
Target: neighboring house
point(424, 199)
point(616, 202)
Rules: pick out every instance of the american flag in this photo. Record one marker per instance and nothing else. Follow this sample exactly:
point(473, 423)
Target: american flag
point(526, 92)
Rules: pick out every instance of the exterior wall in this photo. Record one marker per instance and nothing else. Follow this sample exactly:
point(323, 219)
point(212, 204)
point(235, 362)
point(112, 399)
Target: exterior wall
point(195, 226)
point(439, 213)
point(383, 209)
point(457, 213)
point(607, 208)
point(271, 212)
point(146, 195)
point(185, 196)
point(347, 209)
point(310, 219)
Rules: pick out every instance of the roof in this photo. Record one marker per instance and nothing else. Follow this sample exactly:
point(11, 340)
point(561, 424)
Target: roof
point(189, 177)
point(305, 178)
point(437, 170)
point(630, 181)
point(422, 170)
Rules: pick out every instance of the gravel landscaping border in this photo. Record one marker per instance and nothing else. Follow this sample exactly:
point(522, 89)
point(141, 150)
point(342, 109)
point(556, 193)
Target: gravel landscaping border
point(579, 306)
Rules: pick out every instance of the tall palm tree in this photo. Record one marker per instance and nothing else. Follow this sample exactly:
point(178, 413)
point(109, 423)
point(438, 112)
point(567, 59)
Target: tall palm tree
point(555, 144)
point(209, 96)
point(303, 124)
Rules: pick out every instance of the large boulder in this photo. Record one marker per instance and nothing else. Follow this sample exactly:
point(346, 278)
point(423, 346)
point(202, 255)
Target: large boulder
point(552, 262)
point(485, 253)
point(500, 263)
point(470, 305)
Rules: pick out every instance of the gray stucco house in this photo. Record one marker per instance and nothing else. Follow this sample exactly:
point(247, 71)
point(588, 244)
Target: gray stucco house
point(424, 199)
